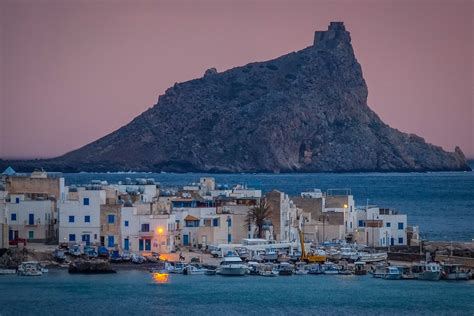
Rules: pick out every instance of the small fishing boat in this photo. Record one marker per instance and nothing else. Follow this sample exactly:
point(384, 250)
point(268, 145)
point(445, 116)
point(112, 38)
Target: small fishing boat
point(30, 268)
point(177, 267)
point(301, 269)
point(378, 271)
point(267, 270)
point(392, 273)
point(359, 268)
point(372, 257)
point(7, 271)
point(430, 271)
point(270, 255)
point(315, 269)
point(192, 270)
point(285, 268)
point(252, 268)
point(406, 273)
point(451, 271)
point(330, 268)
point(210, 272)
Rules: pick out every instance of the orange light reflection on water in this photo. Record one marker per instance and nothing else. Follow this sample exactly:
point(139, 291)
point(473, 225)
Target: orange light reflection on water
point(160, 278)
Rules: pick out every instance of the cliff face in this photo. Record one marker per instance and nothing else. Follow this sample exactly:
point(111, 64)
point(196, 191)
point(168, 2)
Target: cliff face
point(302, 112)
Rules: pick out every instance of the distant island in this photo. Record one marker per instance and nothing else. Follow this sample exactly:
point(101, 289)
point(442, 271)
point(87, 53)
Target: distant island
point(302, 112)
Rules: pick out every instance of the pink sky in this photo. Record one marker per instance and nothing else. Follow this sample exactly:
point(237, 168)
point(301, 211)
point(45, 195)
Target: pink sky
point(74, 71)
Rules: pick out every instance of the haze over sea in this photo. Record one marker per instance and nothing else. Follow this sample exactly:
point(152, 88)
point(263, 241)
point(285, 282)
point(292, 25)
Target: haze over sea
point(441, 203)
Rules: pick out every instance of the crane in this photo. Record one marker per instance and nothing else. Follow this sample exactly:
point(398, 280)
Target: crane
point(309, 258)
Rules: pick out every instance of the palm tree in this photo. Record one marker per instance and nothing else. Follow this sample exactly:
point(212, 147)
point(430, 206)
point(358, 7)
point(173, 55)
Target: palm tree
point(257, 216)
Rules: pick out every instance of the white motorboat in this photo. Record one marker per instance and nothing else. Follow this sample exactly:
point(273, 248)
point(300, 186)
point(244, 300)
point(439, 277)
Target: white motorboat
point(7, 271)
point(330, 268)
point(285, 268)
point(270, 255)
point(30, 268)
point(301, 269)
point(232, 265)
point(378, 271)
point(392, 273)
point(192, 270)
point(349, 254)
point(178, 268)
point(267, 270)
point(372, 257)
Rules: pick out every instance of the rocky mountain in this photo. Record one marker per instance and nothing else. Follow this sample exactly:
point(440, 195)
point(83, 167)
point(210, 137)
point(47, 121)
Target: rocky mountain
point(302, 112)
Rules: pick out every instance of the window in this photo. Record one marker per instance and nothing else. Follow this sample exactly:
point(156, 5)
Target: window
point(126, 223)
point(145, 228)
point(229, 238)
point(192, 223)
point(87, 219)
point(388, 225)
point(111, 218)
point(229, 222)
point(31, 219)
point(361, 223)
point(400, 225)
point(71, 219)
point(400, 240)
point(215, 222)
point(17, 200)
point(72, 237)
point(13, 216)
point(31, 234)
point(351, 224)
point(85, 201)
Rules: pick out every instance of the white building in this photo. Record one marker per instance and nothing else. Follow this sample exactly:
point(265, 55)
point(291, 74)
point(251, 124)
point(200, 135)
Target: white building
point(79, 216)
point(30, 219)
point(145, 232)
point(380, 227)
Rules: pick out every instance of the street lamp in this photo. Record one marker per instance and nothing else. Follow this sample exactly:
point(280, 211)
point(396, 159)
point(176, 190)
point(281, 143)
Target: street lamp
point(159, 230)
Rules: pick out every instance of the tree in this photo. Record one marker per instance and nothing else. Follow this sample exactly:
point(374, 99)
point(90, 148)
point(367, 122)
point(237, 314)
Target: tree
point(257, 216)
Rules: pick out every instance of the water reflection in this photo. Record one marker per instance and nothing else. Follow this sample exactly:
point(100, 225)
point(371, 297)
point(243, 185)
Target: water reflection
point(160, 278)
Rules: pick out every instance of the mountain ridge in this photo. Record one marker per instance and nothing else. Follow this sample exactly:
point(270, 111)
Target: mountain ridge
point(305, 111)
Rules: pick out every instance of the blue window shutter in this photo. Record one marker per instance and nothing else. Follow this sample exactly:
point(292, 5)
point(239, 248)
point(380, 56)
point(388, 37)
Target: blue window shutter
point(400, 225)
point(71, 219)
point(13, 217)
point(72, 237)
point(126, 223)
point(111, 218)
point(86, 201)
point(87, 219)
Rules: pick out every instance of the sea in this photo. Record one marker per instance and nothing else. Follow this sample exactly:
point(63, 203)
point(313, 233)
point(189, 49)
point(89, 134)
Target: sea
point(440, 203)
point(134, 292)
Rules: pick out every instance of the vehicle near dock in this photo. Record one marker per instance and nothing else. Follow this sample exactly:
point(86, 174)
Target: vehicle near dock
point(451, 271)
point(103, 252)
point(59, 255)
point(30, 268)
point(90, 252)
point(318, 257)
point(115, 256)
point(231, 264)
point(126, 256)
point(75, 250)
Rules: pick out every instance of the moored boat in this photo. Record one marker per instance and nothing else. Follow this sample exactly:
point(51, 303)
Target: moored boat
point(285, 268)
point(359, 268)
point(392, 273)
point(450, 271)
point(193, 269)
point(430, 271)
point(30, 268)
point(232, 265)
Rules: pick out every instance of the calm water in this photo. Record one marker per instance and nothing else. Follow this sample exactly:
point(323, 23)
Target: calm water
point(136, 292)
point(442, 204)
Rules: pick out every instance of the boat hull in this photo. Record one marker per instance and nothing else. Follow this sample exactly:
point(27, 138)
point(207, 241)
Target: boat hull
point(429, 276)
point(232, 271)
